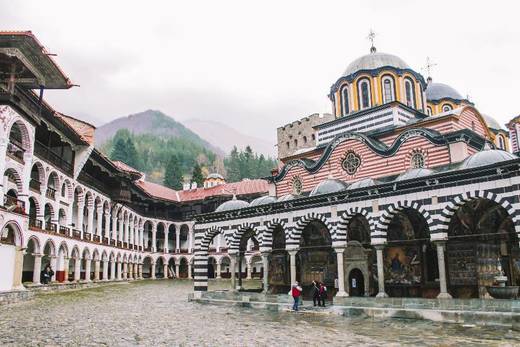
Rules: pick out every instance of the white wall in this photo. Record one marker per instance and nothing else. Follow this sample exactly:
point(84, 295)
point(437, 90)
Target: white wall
point(7, 258)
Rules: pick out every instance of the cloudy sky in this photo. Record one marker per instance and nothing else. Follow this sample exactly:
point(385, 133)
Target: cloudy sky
point(259, 65)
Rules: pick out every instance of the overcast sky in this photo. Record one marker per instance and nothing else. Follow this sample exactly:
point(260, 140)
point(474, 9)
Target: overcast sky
point(260, 65)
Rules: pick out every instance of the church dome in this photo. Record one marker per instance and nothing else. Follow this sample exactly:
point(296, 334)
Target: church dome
point(328, 186)
point(364, 183)
point(492, 122)
point(414, 173)
point(263, 200)
point(287, 197)
point(374, 61)
point(486, 157)
point(233, 204)
point(438, 91)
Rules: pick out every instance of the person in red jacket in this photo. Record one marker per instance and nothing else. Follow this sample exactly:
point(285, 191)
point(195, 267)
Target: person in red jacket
point(296, 292)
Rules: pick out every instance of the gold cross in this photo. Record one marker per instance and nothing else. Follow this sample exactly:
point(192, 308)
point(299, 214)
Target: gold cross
point(429, 65)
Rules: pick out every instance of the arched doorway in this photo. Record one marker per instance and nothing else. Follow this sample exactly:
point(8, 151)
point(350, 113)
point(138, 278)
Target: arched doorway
point(32, 250)
point(183, 268)
point(147, 267)
point(316, 260)
point(248, 243)
point(11, 252)
point(279, 271)
point(410, 261)
point(212, 267)
point(159, 268)
point(356, 283)
point(481, 242)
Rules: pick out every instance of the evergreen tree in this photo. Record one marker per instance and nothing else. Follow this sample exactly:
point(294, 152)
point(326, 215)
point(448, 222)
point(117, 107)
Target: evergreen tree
point(197, 175)
point(132, 157)
point(120, 151)
point(233, 166)
point(172, 174)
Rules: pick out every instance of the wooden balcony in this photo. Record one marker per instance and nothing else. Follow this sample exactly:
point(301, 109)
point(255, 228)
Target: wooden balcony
point(51, 193)
point(12, 204)
point(49, 226)
point(15, 151)
point(64, 230)
point(35, 223)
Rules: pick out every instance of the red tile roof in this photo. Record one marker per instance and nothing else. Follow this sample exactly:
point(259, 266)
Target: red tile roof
point(83, 129)
point(246, 187)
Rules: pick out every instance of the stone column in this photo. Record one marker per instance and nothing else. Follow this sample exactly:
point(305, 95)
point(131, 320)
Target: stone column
point(177, 239)
point(190, 239)
point(380, 272)
point(79, 225)
point(292, 255)
point(90, 220)
point(53, 267)
point(177, 269)
point(265, 279)
point(135, 271)
point(18, 269)
point(341, 272)
point(77, 269)
point(119, 270)
point(249, 265)
point(189, 270)
point(166, 232)
point(232, 268)
point(37, 268)
point(441, 246)
point(165, 270)
point(114, 228)
point(219, 270)
point(121, 228)
point(141, 271)
point(105, 270)
point(106, 232)
point(65, 269)
point(96, 270)
point(154, 234)
point(152, 275)
point(112, 270)
point(99, 221)
point(88, 264)
point(125, 269)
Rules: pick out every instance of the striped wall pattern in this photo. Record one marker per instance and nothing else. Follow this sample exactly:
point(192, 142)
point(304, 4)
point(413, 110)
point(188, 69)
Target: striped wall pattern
point(346, 217)
point(266, 239)
point(303, 221)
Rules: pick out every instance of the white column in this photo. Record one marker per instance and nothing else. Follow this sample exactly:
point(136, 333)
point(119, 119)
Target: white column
point(177, 239)
point(165, 270)
point(121, 229)
point(341, 272)
point(106, 232)
point(292, 255)
point(154, 239)
point(249, 265)
point(380, 272)
point(88, 263)
point(96, 270)
point(177, 269)
point(152, 275)
point(37, 268)
point(125, 271)
point(79, 224)
point(166, 232)
point(190, 239)
point(114, 228)
point(77, 269)
point(99, 220)
point(232, 268)
point(105, 270)
point(66, 269)
point(219, 270)
point(112, 270)
point(265, 279)
point(54, 260)
point(119, 270)
point(90, 220)
point(189, 270)
point(442, 270)
point(140, 271)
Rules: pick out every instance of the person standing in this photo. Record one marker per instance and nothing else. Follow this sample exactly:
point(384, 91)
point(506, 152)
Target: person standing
point(322, 295)
point(296, 292)
point(315, 293)
point(47, 274)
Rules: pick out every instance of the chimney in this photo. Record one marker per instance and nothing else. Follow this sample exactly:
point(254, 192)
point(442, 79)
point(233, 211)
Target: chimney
point(194, 185)
point(186, 186)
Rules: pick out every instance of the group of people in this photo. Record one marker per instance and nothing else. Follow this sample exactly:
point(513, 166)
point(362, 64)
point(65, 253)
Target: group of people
point(319, 294)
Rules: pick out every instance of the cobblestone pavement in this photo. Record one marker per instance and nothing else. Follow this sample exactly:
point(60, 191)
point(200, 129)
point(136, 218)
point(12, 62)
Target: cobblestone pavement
point(154, 313)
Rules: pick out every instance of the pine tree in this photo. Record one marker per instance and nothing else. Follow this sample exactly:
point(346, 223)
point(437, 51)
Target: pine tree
point(197, 175)
point(120, 151)
point(132, 156)
point(233, 166)
point(172, 174)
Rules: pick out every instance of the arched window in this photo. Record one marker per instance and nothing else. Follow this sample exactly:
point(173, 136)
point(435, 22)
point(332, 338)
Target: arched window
point(409, 93)
point(364, 93)
point(501, 143)
point(344, 101)
point(417, 160)
point(305, 139)
point(388, 89)
point(429, 111)
point(473, 125)
point(446, 108)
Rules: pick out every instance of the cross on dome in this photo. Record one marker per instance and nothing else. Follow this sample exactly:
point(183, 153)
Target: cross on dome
point(371, 37)
point(428, 67)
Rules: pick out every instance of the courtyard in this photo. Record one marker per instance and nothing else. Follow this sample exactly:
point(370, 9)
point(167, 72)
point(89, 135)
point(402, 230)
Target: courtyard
point(150, 313)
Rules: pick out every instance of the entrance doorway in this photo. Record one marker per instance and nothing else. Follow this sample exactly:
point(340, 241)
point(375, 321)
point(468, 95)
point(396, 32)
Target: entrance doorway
point(356, 283)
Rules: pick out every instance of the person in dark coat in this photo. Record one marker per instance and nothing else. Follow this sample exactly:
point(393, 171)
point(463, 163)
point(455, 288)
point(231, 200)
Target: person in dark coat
point(47, 274)
point(315, 293)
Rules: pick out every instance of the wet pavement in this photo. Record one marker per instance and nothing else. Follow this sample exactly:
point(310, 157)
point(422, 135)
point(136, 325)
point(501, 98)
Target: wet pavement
point(150, 313)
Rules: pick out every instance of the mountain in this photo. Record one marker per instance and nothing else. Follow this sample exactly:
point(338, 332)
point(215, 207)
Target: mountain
point(225, 137)
point(150, 122)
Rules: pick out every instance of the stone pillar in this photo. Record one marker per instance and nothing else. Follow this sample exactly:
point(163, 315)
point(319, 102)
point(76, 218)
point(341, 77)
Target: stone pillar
point(166, 232)
point(441, 246)
point(90, 220)
point(125, 269)
point(18, 269)
point(265, 265)
point(219, 270)
point(177, 240)
point(341, 272)
point(154, 234)
point(66, 269)
point(165, 270)
point(135, 271)
point(112, 270)
point(249, 265)
point(121, 228)
point(114, 228)
point(53, 267)
point(232, 268)
point(292, 255)
point(88, 264)
point(177, 269)
point(190, 239)
point(189, 270)
point(380, 272)
point(79, 225)
point(152, 275)
point(105, 270)
point(119, 270)
point(77, 269)
point(99, 221)
point(106, 232)
point(141, 271)
point(37, 268)
point(96, 270)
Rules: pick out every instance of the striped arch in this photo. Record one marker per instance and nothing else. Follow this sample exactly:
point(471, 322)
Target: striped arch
point(304, 221)
point(236, 237)
point(340, 234)
point(209, 235)
point(266, 236)
point(202, 240)
point(453, 205)
point(381, 229)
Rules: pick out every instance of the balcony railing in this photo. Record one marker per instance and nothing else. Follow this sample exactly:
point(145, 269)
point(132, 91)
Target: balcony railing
point(119, 243)
point(35, 223)
point(64, 230)
point(184, 250)
point(15, 151)
point(49, 226)
point(12, 204)
point(46, 153)
point(35, 185)
point(51, 193)
point(97, 238)
point(87, 236)
point(76, 233)
point(125, 244)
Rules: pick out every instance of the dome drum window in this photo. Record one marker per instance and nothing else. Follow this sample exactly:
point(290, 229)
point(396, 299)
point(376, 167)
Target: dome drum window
point(364, 94)
point(388, 89)
point(344, 101)
point(446, 108)
point(409, 93)
point(351, 163)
